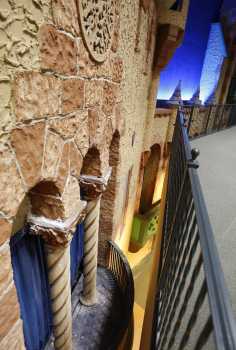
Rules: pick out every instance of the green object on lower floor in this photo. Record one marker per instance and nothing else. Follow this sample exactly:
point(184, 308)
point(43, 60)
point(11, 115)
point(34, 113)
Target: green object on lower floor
point(145, 225)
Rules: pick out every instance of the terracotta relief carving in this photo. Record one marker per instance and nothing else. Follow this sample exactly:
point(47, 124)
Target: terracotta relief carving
point(97, 23)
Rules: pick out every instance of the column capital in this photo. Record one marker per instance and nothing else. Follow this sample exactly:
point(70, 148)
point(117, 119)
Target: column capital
point(56, 232)
point(93, 186)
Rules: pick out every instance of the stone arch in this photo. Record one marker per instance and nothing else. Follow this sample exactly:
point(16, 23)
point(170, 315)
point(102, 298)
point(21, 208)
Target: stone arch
point(45, 167)
point(106, 227)
point(42, 200)
point(92, 162)
point(149, 178)
point(34, 201)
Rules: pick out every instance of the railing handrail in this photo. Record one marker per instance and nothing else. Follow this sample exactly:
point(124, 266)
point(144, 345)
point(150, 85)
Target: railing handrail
point(219, 300)
point(119, 266)
point(208, 105)
point(189, 269)
point(206, 119)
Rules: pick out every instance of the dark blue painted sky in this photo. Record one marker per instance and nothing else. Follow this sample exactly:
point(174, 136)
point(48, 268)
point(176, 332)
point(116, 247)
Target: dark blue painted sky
point(188, 60)
point(229, 4)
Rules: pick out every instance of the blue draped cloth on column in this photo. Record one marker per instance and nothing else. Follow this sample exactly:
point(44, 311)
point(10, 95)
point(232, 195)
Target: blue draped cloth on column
point(31, 281)
point(76, 253)
point(30, 276)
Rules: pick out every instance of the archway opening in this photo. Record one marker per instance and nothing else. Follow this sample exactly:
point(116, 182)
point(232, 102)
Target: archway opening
point(92, 163)
point(149, 179)
point(145, 219)
point(106, 224)
point(28, 257)
point(30, 268)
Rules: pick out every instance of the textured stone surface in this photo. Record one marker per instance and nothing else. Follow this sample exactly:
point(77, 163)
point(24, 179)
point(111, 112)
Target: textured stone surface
point(115, 39)
point(109, 97)
point(82, 134)
point(76, 160)
point(97, 125)
point(104, 151)
point(5, 230)
point(14, 340)
point(71, 197)
point(52, 154)
point(92, 162)
point(118, 122)
point(9, 311)
point(106, 227)
point(19, 24)
point(28, 143)
point(88, 68)
point(65, 15)
point(97, 25)
point(11, 186)
point(85, 64)
point(67, 126)
point(58, 51)
point(117, 69)
point(72, 95)
point(6, 269)
point(108, 133)
point(48, 206)
point(63, 168)
point(35, 95)
point(93, 93)
point(145, 4)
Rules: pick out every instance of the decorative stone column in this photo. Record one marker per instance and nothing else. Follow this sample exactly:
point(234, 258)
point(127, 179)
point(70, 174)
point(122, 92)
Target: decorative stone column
point(57, 235)
point(92, 188)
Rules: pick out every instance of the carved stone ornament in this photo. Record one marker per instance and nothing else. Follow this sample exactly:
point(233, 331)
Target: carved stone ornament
point(97, 19)
point(93, 186)
point(56, 232)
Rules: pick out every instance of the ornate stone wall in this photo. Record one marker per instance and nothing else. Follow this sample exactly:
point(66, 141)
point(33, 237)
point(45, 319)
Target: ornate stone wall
point(56, 103)
point(72, 75)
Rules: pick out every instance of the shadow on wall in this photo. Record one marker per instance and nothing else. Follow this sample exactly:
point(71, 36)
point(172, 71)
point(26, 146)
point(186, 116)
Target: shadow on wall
point(149, 179)
point(106, 225)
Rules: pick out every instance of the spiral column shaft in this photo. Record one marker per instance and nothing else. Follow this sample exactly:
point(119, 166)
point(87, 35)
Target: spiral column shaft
point(91, 226)
point(58, 264)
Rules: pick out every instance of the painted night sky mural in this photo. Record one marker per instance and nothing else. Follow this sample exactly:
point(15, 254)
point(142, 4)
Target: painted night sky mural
point(191, 60)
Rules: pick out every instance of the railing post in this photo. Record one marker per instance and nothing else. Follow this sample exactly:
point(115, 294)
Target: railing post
point(221, 118)
point(208, 118)
point(190, 119)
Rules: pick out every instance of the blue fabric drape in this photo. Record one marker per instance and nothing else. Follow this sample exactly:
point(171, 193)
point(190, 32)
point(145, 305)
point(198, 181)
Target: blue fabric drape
point(32, 287)
point(76, 252)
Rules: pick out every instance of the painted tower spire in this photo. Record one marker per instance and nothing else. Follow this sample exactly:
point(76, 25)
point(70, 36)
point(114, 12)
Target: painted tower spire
point(177, 96)
point(196, 97)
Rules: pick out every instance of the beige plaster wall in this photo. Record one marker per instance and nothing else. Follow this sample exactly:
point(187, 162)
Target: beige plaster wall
point(141, 25)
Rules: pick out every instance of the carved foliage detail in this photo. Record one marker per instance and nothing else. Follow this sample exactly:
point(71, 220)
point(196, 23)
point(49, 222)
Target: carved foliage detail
point(97, 23)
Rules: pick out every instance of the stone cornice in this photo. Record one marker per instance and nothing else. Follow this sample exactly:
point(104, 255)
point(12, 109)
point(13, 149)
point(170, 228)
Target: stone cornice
point(93, 186)
point(56, 232)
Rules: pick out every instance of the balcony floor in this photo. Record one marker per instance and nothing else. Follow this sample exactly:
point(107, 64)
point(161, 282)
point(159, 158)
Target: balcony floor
point(96, 327)
point(218, 178)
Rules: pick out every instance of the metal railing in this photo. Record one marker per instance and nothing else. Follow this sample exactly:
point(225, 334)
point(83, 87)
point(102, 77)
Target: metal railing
point(192, 306)
point(204, 120)
point(119, 266)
